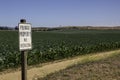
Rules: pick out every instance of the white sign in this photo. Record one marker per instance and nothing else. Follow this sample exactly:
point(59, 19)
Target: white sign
point(25, 42)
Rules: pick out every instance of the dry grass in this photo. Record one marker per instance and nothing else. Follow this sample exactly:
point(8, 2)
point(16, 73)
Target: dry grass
point(106, 69)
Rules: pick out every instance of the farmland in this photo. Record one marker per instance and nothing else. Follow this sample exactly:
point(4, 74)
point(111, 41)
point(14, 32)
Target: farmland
point(54, 45)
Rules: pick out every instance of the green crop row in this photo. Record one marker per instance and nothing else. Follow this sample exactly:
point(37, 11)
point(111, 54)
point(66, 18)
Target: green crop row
point(54, 45)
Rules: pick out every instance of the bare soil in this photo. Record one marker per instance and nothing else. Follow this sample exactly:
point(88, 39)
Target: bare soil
point(106, 69)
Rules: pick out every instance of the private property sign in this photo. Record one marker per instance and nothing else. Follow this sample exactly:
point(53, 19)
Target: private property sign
point(25, 36)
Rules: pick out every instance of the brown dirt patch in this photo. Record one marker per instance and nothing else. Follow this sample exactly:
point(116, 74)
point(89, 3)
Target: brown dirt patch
point(107, 69)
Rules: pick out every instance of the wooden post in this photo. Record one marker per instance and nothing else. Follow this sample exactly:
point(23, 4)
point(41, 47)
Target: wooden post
point(23, 60)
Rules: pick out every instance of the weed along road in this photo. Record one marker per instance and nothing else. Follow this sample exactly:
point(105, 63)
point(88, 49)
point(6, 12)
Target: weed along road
point(46, 69)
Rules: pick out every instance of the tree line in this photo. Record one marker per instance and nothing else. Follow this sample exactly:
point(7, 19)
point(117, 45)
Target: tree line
point(62, 28)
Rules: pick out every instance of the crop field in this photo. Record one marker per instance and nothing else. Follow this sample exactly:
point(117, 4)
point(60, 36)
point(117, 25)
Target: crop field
point(54, 45)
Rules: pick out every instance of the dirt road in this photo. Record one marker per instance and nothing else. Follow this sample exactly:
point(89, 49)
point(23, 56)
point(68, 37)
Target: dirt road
point(42, 71)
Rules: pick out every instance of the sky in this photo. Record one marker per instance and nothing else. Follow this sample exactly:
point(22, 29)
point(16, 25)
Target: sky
point(54, 13)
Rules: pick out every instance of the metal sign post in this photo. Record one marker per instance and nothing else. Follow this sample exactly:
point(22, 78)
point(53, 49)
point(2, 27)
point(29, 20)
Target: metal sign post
point(24, 44)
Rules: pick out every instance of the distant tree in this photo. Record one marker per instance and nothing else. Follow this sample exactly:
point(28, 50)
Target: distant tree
point(4, 28)
point(1, 28)
point(16, 27)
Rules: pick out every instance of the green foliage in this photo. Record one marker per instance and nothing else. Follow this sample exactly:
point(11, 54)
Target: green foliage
point(54, 45)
